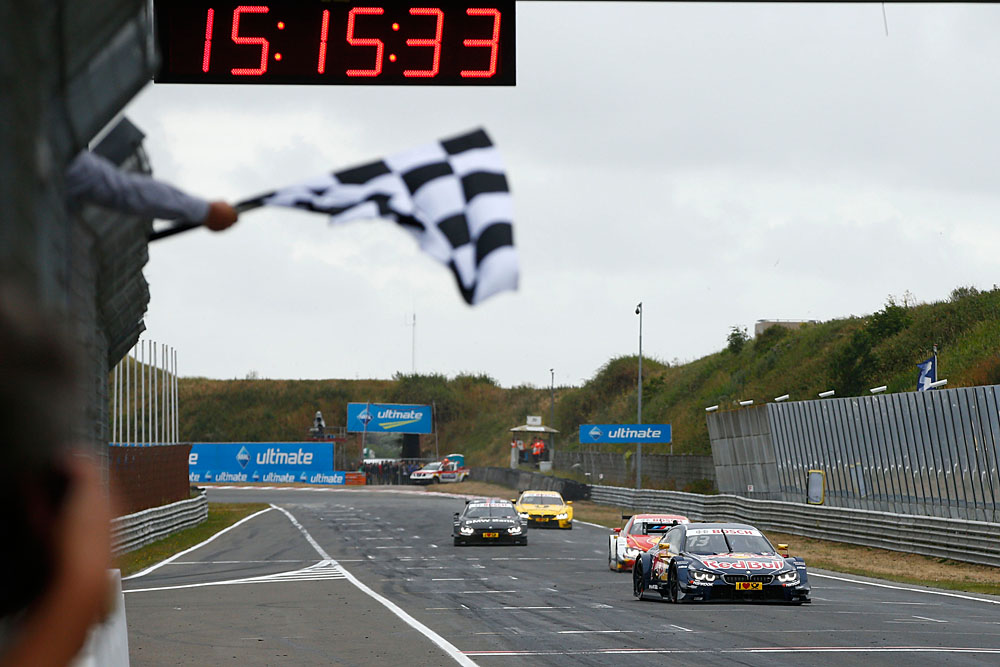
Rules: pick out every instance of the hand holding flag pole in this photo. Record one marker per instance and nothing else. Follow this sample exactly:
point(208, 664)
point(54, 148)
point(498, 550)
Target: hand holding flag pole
point(178, 227)
point(451, 195)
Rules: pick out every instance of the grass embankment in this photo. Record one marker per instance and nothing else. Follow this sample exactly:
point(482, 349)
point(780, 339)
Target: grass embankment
point(474, 412)
point(835, 556)
point(220, 515)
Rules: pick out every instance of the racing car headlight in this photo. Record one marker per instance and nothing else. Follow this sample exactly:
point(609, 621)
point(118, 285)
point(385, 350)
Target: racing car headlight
point(788, 577)
point(467, 530)
point(700, 575)
point(523, 515)
point(514, 530)
point(562, 516)
point(631, 553)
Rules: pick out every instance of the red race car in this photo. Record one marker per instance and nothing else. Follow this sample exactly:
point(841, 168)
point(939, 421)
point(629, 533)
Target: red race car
point(640, 532)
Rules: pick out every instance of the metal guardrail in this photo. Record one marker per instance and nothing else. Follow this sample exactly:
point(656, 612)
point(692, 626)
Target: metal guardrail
point(133, 531)
point(956, 539)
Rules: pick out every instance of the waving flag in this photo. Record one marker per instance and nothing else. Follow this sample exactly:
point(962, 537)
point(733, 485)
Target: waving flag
point(451, 195)
point(928, 373)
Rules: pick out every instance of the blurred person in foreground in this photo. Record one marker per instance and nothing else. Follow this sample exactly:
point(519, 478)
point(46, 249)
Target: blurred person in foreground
point(54, 510)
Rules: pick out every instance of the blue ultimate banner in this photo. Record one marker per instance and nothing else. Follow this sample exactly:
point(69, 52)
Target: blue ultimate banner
point(284, 462)
point(389, 418)
point(647, 434)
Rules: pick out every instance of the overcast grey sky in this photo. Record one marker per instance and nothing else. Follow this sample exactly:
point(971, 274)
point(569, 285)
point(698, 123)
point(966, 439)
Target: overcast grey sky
point(720, 163)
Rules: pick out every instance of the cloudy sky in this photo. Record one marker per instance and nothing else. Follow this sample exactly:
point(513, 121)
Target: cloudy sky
point(720, 163)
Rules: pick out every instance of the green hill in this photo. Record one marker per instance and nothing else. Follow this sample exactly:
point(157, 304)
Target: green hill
point(474, 413)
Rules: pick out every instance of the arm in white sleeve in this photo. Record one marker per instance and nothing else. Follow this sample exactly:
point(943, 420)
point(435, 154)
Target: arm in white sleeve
point(90, 178)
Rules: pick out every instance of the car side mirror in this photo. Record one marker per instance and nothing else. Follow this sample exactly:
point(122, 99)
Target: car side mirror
point(513, 500)
point(569, 502)
point(783, 550)
point(617, 531)
point(456, 515)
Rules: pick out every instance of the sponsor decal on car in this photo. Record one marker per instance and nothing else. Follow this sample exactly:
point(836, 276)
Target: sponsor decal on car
point(744, 564)
point(723, 531)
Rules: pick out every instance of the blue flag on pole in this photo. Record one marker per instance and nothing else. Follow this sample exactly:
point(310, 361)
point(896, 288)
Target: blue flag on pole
point(928, 373)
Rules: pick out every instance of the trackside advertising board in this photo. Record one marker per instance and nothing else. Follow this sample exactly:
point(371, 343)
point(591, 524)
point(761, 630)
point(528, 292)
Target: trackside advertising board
point(652, 434)
point(389, 418)
point(274, 462)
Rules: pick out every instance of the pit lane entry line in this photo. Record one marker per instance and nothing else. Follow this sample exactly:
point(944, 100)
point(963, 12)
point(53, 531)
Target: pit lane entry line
point(167, 561)
point(450, 649)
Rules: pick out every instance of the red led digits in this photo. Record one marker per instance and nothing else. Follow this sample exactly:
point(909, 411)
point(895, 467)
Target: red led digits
point(206, 57)
point(493, 43)
point(436, 42)
point(323, 32)
point(264, 45)
point(354, 41)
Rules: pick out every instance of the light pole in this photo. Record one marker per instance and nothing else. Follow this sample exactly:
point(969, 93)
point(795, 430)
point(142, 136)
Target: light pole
point(552, 415)
point(638, 447)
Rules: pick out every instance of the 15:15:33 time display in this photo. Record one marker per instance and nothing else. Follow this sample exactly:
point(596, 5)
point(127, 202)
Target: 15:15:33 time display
point(323, 42)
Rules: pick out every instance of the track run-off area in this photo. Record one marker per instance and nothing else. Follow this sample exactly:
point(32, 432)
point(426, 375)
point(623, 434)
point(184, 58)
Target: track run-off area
point(358, 577)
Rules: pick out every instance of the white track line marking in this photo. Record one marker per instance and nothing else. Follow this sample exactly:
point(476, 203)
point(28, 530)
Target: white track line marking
point(324, 570)
point(151, 568)
point(233, 562)
point(924, 618)
point(592, 632)
point(803, 649)
point(594, 525)
point(524, 608)
point(437, 639)
point(904, 588)
point(680, 628)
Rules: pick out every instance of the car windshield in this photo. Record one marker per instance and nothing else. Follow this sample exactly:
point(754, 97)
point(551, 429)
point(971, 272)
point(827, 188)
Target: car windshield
point(490, 511)
point(540, 499)
point(431, 467)
point(718, 543)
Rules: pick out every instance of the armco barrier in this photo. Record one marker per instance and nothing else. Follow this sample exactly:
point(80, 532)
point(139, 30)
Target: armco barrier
point(133, 531)
point(957, 539)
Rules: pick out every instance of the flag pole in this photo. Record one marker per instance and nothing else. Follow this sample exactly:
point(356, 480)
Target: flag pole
point(178, 227)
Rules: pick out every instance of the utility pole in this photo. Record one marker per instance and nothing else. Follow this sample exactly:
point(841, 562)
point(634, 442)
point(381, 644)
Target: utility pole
point(552, 415)
point(638, 447)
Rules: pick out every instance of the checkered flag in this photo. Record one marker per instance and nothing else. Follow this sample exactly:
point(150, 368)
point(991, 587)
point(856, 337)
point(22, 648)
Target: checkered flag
point(451, 195)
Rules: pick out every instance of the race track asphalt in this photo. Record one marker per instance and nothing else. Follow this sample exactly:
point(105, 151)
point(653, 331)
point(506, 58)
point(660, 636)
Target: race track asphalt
point(553, 602)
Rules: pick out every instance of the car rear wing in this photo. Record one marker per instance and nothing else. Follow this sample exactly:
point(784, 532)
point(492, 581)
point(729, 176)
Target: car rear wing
point(657, 528)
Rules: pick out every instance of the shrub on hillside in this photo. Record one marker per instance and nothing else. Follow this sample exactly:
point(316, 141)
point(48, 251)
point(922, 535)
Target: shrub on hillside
point(736, 339)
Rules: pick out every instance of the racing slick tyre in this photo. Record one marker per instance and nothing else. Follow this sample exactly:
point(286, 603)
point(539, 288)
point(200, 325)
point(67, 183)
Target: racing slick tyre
point(673, 588)
point(638, 581)
point(612, 560)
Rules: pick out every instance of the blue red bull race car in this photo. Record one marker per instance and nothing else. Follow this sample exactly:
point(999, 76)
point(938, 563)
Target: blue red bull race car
point(719, 561)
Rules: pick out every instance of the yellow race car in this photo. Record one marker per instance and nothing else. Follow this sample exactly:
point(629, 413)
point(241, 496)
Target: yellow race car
point(545, 508)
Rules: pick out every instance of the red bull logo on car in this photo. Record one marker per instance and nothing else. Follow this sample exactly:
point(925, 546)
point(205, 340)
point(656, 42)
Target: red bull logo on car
point(744, 564)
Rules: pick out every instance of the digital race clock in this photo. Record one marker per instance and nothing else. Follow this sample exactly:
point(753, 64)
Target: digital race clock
point(335, 42)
